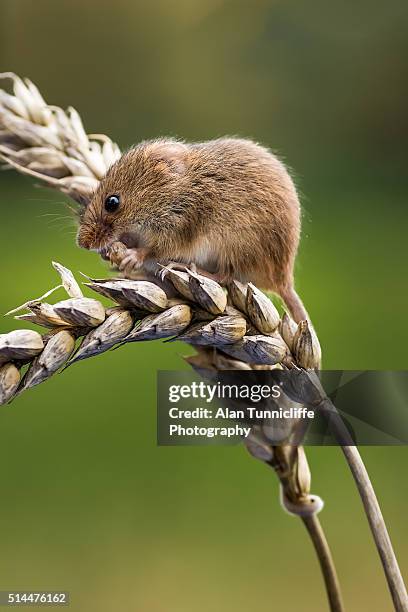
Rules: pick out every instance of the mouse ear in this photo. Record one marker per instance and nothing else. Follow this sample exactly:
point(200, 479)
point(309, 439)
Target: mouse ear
point(169, 156)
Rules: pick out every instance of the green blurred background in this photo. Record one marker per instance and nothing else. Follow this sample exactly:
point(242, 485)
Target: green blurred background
point(89, 503)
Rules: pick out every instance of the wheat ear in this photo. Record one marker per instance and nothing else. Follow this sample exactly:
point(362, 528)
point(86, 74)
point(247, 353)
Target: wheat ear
point(50, 144)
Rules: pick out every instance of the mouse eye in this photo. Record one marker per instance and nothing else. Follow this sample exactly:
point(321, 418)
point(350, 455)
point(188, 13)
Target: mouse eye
point(112, 203)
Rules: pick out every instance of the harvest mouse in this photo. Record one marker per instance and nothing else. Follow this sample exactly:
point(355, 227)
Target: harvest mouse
point(228, 206)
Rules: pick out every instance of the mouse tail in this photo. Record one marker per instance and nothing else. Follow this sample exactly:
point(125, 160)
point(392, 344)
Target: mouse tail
point(294, 304)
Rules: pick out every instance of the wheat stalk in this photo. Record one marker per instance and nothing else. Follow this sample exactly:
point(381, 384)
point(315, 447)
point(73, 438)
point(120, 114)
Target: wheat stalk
point(50, 144)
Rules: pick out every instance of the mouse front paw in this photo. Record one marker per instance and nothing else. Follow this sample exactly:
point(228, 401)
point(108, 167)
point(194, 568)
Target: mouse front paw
point(132, 262)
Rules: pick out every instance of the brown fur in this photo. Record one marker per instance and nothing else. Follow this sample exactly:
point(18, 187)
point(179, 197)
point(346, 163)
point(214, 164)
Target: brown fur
point(227, 205)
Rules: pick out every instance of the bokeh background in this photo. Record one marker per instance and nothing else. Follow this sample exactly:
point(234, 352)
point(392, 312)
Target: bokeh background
point(89, 503)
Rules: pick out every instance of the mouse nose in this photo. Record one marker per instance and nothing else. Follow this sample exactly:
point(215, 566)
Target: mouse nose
point(84, 238)
point(81, 242)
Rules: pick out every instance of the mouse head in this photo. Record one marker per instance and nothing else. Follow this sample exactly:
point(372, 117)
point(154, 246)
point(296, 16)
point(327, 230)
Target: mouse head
point(138, 194)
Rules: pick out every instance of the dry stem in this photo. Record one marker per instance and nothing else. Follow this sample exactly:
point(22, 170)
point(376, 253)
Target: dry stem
point(323, 553)
point(372, 508)
point(378, 528)
point(365, 488)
